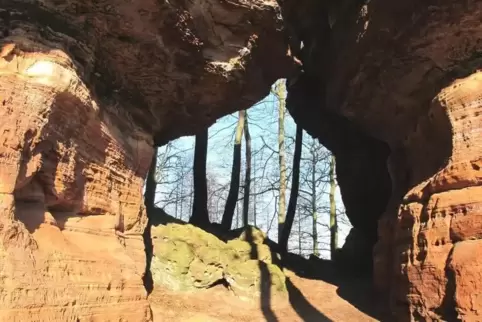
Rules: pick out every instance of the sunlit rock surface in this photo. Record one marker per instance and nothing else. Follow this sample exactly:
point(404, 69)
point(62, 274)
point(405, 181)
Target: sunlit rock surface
point(186, 258)
point(399, 103)
point(86, 88)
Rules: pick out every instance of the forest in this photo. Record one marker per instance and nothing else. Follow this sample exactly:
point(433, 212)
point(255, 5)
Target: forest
point(255, 167)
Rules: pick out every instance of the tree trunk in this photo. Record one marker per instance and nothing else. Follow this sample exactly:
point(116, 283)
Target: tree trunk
point(237, 215)
point(299, 235)
point(247, 178)
point(333, 219)
point(191, 201)
point(200, 215)
point(191, 195)
point(233, 194)
point(254, 191)
point(182, 200)
point(313, 205)
point(282, 162)
point(177, 202)
point(295, 184)
point(151, 184)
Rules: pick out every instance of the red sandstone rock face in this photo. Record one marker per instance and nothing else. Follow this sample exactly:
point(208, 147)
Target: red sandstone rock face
point(85, 90)
point(437, 232)
point(86, 86)
point(70, 189)
point(405, 73)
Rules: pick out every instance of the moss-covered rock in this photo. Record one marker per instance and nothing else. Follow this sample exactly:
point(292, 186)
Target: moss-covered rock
point(253, 277)
point(187, 258)
point(244, 251)
point(252, 235)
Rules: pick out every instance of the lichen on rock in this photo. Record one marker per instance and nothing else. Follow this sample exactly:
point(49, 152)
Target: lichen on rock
point(187, 258)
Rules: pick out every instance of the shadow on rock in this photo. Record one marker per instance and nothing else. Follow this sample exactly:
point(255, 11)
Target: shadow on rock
point(265, 283)
point(300, 304)
point(355, 289)
point(37, 193)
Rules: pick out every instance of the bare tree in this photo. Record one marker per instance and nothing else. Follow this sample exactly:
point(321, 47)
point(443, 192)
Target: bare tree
point(200, 215)
point(247, 178)
point(254, 192)
point(258, 196)
point(333, 216)
point(232, 199)
point(280, 93)
point(290, 216)
point(314, 181)
point(216, 197)
point(314, 206)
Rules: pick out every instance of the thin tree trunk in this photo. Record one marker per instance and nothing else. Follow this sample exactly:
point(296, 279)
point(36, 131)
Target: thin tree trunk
point(282, 162)
point(151, 183)
point(247, 178)
point(299, 235)
point(237, 215)
point(295, 184)
point(177, 202)
point(182, 199)
point(254, 192)
point(313, 205)
point(268, 224)
point(191, 201)
point(200, 215)
point(333, 219)
point(233, 194)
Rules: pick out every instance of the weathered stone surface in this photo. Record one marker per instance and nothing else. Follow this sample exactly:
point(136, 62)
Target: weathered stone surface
point(187, 258)
point(254, 278)
point(398, 101)
point(70, 187)
point(464, 265)
point(86, 88)
point(442, 211)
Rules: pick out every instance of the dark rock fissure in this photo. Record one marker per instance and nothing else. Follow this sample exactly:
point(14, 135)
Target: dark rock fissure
point(362, 171)
point(447, 309)
point(149, 249)
point(221, 282)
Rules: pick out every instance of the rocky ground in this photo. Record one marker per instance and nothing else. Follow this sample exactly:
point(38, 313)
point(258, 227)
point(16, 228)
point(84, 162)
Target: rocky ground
point(309, 300)
point(198, 277)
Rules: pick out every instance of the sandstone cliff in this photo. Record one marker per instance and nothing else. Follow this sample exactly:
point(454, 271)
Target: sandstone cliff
point(87, 88)
point(399, 104)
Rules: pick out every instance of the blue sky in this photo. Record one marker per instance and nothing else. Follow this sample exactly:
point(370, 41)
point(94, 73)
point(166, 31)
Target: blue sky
point(263, 125)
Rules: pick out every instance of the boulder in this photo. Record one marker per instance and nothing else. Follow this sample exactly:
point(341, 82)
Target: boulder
point(255, 278)
point(187, 258)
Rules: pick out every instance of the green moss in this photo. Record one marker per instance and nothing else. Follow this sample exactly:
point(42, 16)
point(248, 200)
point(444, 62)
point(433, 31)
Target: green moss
point(249, 279)
point(244, 251)
point(188, 258)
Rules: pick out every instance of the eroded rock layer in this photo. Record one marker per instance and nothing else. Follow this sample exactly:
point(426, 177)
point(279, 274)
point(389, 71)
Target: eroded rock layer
point(70, 191)
point(86, 89)
point(404, 75)
point(186, 258)
point(436, 237)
